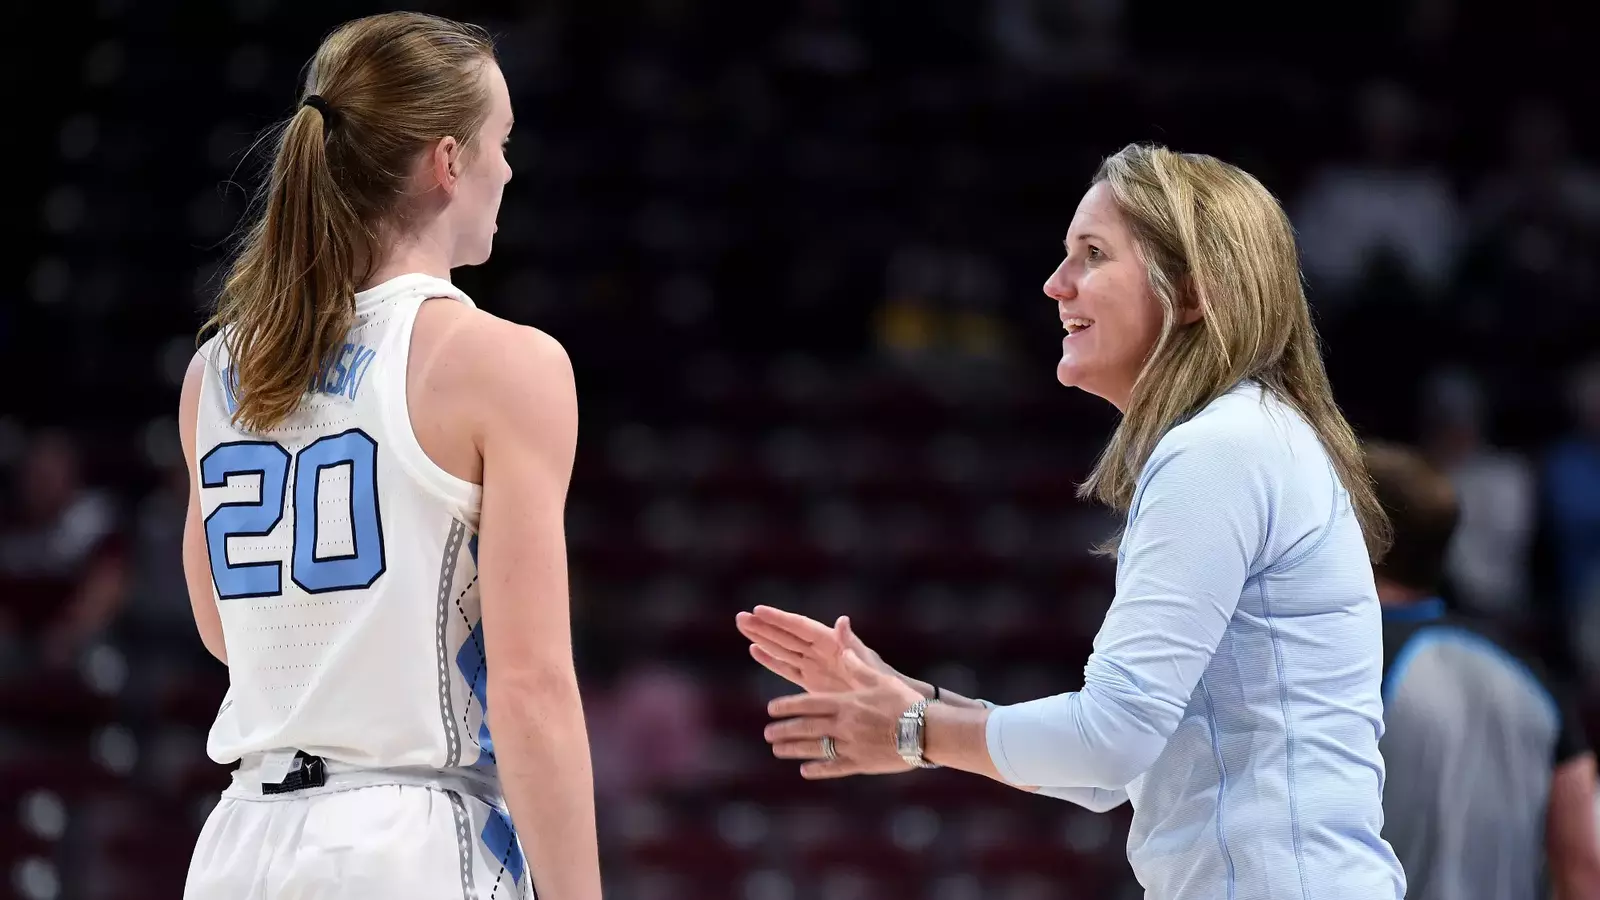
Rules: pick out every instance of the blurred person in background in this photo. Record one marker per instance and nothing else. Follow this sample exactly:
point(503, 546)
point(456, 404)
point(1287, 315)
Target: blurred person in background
point(1488, 558)
point(1389, 210)
point(1233, 692)
point(1538, 213)
point(1542, 179)
point(1078, 40)
point(374, 543)
point(63, 556)
point(1572, 495)
point(158, 609)
point(651, 733)
point(1489, 772)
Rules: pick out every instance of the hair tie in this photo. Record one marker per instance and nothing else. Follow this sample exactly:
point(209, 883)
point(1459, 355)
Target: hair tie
point(316, 102)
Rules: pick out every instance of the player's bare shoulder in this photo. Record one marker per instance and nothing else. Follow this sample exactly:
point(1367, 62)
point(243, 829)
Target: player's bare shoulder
point(464, 342)
point(473, 372)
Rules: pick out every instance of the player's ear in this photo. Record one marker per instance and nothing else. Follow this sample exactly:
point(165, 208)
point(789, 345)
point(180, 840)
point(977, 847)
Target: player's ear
point(444, 164)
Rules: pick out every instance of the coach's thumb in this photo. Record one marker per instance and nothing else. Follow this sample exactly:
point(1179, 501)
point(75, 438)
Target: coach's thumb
point(847, 635)
point(857, 671)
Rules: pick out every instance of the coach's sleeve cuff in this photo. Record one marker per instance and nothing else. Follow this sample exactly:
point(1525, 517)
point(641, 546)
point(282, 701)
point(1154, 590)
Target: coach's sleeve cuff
point(994, 736)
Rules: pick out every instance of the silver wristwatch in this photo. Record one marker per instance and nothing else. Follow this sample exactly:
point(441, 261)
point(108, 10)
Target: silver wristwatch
point(908, 735)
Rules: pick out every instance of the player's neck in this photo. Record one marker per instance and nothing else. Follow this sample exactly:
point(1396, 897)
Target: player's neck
point(1391, 594)
point(407, 257)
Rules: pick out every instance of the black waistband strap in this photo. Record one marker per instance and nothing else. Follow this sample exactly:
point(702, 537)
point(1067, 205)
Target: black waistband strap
point(308, 772)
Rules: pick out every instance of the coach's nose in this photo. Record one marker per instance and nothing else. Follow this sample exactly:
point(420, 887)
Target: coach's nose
point(1061, 286)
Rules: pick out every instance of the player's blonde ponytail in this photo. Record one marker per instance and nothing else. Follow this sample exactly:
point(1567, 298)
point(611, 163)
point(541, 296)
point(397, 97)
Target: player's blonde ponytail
point(379, 92)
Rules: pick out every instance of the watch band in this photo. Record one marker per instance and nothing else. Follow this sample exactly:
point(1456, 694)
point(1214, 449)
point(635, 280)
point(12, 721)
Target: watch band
point(909, 735)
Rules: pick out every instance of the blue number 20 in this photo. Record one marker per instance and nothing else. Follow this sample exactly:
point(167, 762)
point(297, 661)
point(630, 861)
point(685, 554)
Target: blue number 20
point(312, 573)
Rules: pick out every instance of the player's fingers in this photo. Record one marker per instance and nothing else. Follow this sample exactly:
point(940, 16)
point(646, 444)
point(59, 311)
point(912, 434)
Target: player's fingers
point(777, 666)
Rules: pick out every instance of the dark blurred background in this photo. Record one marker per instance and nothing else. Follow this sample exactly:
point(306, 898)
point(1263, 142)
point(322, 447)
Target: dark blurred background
point(795, 252)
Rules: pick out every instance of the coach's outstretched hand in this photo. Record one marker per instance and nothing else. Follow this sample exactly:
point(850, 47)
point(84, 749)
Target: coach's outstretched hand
point(845, 732)
point(808, 653)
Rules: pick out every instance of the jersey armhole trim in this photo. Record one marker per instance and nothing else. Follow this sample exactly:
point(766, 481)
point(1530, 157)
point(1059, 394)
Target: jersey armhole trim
point(395, 408)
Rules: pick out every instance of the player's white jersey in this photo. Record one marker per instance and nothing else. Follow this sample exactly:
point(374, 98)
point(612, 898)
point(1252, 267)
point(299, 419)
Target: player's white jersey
point(344, 562)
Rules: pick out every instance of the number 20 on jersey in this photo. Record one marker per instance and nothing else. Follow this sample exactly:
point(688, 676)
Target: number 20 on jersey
point(313, 574)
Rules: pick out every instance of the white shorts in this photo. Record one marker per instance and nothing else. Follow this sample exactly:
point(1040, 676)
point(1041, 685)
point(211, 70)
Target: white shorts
point(363, 834)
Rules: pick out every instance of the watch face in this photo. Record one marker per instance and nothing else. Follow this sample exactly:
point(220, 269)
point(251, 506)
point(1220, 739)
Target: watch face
point(908, 738)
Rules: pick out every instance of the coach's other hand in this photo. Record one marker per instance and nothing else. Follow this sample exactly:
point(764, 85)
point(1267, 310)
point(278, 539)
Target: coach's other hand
point(807, 653)
point(861, 721)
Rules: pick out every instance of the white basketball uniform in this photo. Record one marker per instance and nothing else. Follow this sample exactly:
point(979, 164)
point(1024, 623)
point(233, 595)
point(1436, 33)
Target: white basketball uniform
point(344, 563)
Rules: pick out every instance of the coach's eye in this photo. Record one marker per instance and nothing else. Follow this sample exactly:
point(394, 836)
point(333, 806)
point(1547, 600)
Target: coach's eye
point(1094, 253)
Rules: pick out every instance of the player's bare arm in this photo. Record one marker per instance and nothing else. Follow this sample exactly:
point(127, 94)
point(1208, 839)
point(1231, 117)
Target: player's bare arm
point(196, 562)
point(525, 407)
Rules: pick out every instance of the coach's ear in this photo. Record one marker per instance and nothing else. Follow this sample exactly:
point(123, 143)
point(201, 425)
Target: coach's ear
point(1190, 307)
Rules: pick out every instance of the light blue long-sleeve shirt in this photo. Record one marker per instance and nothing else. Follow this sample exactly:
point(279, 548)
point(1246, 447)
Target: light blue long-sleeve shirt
point(1234, 691)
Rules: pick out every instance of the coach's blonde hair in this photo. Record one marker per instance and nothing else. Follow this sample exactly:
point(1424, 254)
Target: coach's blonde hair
point(393, 84)
point(1211, 236)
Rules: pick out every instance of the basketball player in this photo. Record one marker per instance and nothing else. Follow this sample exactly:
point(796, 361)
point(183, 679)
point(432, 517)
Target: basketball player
point(374, 544)
point(1489, 773)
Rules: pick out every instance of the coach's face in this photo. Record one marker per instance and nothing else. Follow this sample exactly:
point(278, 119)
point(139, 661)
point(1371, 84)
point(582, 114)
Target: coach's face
point(1102, 292)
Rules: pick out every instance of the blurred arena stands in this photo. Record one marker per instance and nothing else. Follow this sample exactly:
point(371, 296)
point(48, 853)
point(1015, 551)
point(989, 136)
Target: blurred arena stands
point(794, 250)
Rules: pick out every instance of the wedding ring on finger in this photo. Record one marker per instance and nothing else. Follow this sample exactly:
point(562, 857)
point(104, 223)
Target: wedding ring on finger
point(829, 752)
